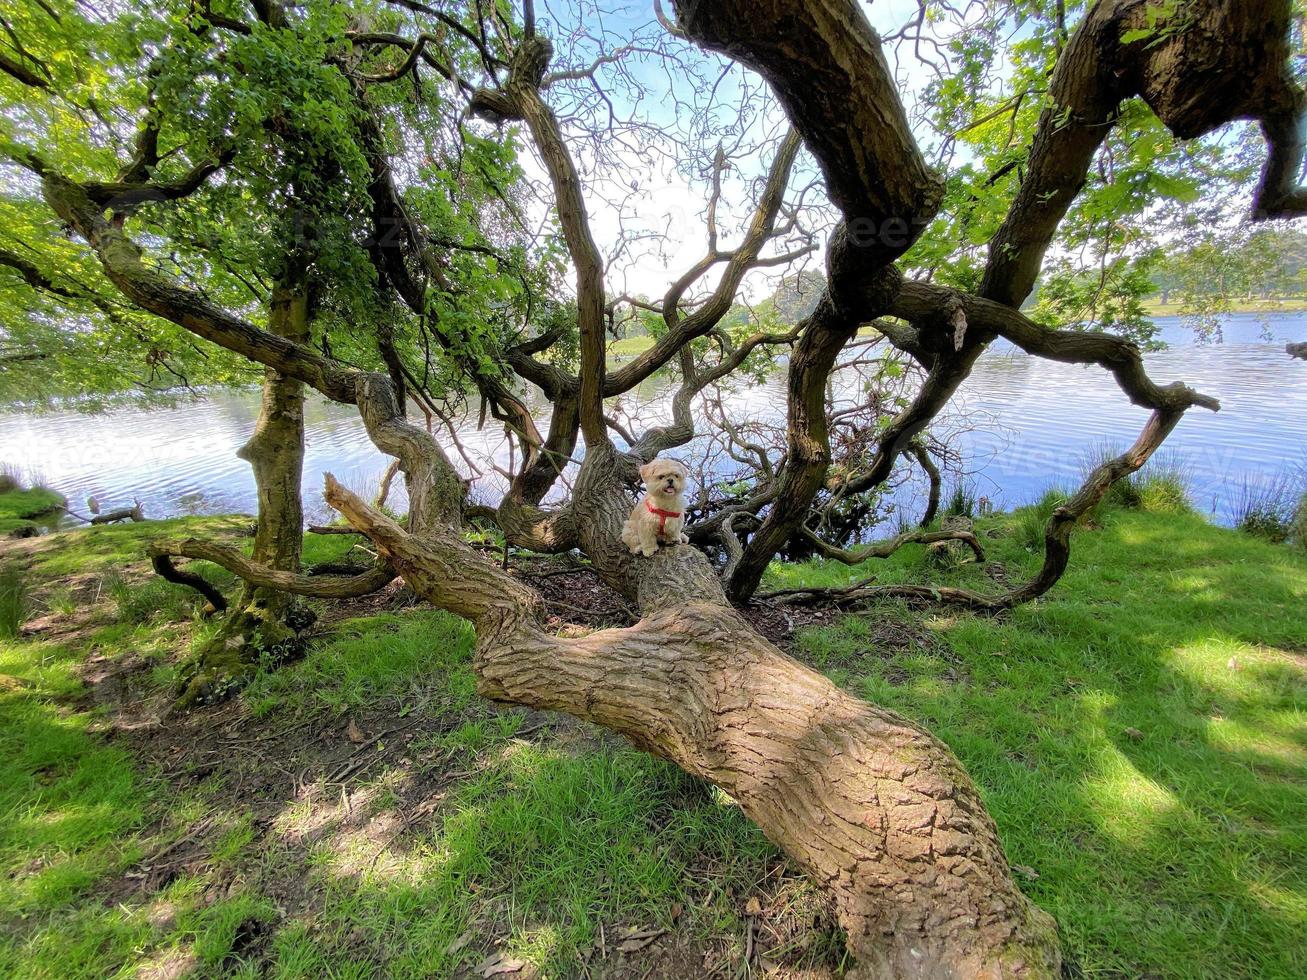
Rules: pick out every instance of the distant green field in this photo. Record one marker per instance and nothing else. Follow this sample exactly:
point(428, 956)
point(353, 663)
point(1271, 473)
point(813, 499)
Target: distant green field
point(1157, 308)
point(629, 347)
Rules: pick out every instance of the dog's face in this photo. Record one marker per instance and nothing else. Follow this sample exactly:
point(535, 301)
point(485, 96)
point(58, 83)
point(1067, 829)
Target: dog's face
point(664, 477)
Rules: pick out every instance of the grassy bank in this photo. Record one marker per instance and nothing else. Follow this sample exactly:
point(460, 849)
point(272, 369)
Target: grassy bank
point(1155, 307)
point(629, 347)
point(1138, 737)
point(21, 510)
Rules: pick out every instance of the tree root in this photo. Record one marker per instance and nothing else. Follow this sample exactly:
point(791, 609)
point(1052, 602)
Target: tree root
point(254, 635)
point(164, 567)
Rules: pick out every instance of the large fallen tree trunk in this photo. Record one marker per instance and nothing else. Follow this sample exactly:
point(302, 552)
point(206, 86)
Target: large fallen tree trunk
point(874, 808)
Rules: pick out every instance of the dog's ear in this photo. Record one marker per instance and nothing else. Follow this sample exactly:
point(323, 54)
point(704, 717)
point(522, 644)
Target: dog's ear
point(646, 471)
point(685, 470)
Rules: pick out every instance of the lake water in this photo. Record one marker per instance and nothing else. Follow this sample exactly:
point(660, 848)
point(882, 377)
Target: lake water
point(1027, 424)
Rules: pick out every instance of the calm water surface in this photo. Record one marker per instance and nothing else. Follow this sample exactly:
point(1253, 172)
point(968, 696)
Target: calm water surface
point(1028, 424)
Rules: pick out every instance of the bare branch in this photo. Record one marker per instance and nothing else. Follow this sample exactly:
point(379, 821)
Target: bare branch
point(239, 564)
point(883, 549)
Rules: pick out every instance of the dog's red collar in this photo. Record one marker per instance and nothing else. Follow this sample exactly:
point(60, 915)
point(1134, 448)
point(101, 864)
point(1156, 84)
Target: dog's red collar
point(661, 514)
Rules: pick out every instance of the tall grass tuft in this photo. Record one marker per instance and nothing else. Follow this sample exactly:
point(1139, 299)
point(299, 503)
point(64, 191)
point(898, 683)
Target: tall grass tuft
point(1161, 486)
point(13, 599)
point(1298, 532)
point(14, 477)
point(1269, 507)
point(961, 501)
point(1126, 493)
point(143, 602)
point(1032, 520)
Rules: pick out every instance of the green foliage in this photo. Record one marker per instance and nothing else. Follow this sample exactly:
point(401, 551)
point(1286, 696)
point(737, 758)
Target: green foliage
point(296, 132)
point(1110, 296)
point(1144, 190)
point(1160, 22)
point(1217, 270)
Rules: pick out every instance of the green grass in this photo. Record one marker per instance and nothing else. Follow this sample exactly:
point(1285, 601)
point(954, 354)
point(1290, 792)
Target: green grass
point(557, 838)
point(547, 843)
point(534, 846)
point(69, 809)
point(629, 347)
point(1138, 737)
point(14, 600)
point(374, 657)
point(111, 547)
point(20, 509)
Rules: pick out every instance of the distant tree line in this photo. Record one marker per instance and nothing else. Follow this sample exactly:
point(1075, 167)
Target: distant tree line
point(1269, 263)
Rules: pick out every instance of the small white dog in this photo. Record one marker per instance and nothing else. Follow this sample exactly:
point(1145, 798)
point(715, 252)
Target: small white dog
point(660, 514)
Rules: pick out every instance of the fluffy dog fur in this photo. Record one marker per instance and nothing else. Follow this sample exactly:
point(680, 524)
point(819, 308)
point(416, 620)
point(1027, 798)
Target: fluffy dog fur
point(664, 481)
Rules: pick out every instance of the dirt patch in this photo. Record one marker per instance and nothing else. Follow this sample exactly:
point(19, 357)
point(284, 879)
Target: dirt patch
point(261, 770)
point(574, 594)
point(780, 623)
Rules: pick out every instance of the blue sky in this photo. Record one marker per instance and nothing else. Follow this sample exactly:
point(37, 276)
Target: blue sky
point(628, 193)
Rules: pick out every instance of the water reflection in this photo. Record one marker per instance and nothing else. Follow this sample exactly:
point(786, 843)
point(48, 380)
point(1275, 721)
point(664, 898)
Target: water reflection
point(1026, 425)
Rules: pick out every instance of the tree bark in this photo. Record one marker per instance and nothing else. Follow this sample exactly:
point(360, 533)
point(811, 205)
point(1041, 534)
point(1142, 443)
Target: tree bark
point(875, 809)
point(256, 622)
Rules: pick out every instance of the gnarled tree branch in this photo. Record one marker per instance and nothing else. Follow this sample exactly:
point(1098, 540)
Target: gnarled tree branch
point(875, 809)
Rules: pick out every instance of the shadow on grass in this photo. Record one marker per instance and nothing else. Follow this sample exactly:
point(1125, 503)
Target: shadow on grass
point(1138, 736)
point(366, 814)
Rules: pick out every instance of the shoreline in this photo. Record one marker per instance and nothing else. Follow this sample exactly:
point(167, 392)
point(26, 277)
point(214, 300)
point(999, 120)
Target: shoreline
point(1239, 306)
